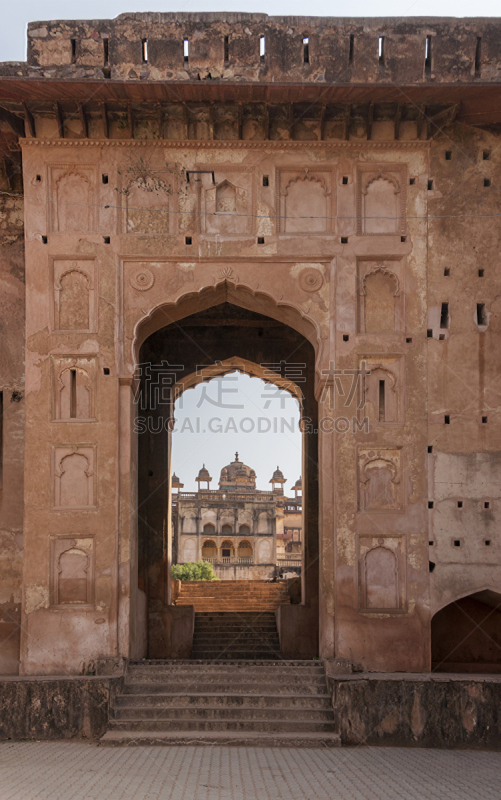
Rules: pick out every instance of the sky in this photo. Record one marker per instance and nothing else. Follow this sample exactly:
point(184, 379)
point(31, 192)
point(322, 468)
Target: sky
point(14, 18)
point(236, 413)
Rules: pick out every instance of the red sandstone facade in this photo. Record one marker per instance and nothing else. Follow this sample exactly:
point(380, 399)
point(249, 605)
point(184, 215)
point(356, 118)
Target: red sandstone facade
point(331, 183)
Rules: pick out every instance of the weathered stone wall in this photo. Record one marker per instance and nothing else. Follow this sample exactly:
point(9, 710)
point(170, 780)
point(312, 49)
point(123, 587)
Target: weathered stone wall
point(463, 364)
point(372, 232)
point(55, 708)
point(227, 46)
point(418, 711)
point(12, 418)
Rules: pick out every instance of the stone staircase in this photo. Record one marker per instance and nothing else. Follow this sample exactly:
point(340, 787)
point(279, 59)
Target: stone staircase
point(231, 595)
point(260, 703)
point(235, 635)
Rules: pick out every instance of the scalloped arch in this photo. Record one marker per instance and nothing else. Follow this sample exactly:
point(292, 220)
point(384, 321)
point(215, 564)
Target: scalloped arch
point(230, 290)
point(384, 176)
point(385, 271)
point(303, 178)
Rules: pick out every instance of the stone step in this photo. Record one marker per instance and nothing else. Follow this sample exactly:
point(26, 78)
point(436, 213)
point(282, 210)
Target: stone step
point(222, 700)
point(176, 663)
point(233, 675)
point(230, 635)
point(236, 724)
point(220, 654)
point(271, 646)
point(227, 739)
point(236, 646)
point(188, 686)
point(246, 669)
point(219, 713)
point(226, 615)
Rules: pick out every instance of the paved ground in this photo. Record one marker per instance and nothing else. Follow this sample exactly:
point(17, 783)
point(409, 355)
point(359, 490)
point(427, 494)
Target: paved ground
point(76, 771)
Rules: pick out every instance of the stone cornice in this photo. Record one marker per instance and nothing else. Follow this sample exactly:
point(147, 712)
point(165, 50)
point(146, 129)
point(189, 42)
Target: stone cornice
point(227, 145)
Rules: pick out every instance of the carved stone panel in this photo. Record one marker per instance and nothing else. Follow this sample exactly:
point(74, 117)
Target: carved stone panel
point(381, 305)
point(305, 201)
point(382, 396)
point(74, 387)
point(74, 293)
point(72, 203)
point(380, 479)
point(227, 206)
point(148, 205)
point(74, 478)
point(72, 571)
point(381, 199)
point(381, 563)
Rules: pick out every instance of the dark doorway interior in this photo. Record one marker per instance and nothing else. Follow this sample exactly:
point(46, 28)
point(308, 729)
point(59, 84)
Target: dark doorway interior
point(202, 339)
point(466, 634)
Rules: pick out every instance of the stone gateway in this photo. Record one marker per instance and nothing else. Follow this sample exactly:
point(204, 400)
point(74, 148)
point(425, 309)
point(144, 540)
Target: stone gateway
point(190, 192)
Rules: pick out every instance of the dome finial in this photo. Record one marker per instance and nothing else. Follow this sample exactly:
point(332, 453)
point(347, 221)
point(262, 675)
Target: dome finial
point(236, 456)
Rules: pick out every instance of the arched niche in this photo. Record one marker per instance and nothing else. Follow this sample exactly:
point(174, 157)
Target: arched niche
point(74, 394)
point(381, 579)
point(73, 203)
point(209, 549)
point(381, 398)
point(380, 481)
point(189, 554)
point(306, 205)
point(74, 478)
point(73, 296)
point(244, 550)
point(381, 302)
point(381, 206)
point(264, 551)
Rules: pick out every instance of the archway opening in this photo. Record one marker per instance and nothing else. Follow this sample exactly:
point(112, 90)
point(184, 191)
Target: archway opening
point(466, 634)
point(216, 341)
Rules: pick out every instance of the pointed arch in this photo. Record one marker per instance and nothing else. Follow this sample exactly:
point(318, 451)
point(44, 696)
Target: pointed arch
point(228, 289)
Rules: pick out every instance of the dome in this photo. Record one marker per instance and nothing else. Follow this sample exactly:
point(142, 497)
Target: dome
point(176, 483)
point(278, 476)
point(298, 484)
point(237, 476)
point(204, 475)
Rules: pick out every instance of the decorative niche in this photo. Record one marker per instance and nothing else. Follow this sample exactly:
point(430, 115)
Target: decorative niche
point(227, 205)
point(74, 477)
point(72, 201)
point(380, 479)
point(74, 294)
point(382, 397)
point(381, 299)
point(381, 199)
point(381, 566)
point(74, 388)
point(305, 201)
point(72, 571)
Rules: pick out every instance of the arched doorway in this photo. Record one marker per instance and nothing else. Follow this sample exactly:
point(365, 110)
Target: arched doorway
point(466, 634)
point(216, 335)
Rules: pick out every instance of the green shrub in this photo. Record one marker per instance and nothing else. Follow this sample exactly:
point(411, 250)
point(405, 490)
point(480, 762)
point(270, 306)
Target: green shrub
point(197, 571)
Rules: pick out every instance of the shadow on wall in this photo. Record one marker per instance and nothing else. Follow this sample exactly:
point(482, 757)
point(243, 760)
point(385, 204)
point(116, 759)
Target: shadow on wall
point(466, 635)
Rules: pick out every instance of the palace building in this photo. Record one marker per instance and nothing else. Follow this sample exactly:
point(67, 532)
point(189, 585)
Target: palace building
point(244, 532)
point(183, 195)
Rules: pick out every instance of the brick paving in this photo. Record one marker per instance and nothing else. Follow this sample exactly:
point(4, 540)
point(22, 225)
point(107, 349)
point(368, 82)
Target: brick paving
point(81, 771)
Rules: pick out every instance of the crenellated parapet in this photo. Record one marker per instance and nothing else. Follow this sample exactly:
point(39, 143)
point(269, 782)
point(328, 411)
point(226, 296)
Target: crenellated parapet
point(259, 48)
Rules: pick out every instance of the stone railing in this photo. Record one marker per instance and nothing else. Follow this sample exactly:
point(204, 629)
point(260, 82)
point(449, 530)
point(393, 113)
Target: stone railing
point(290, 560)
point(228, 559)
